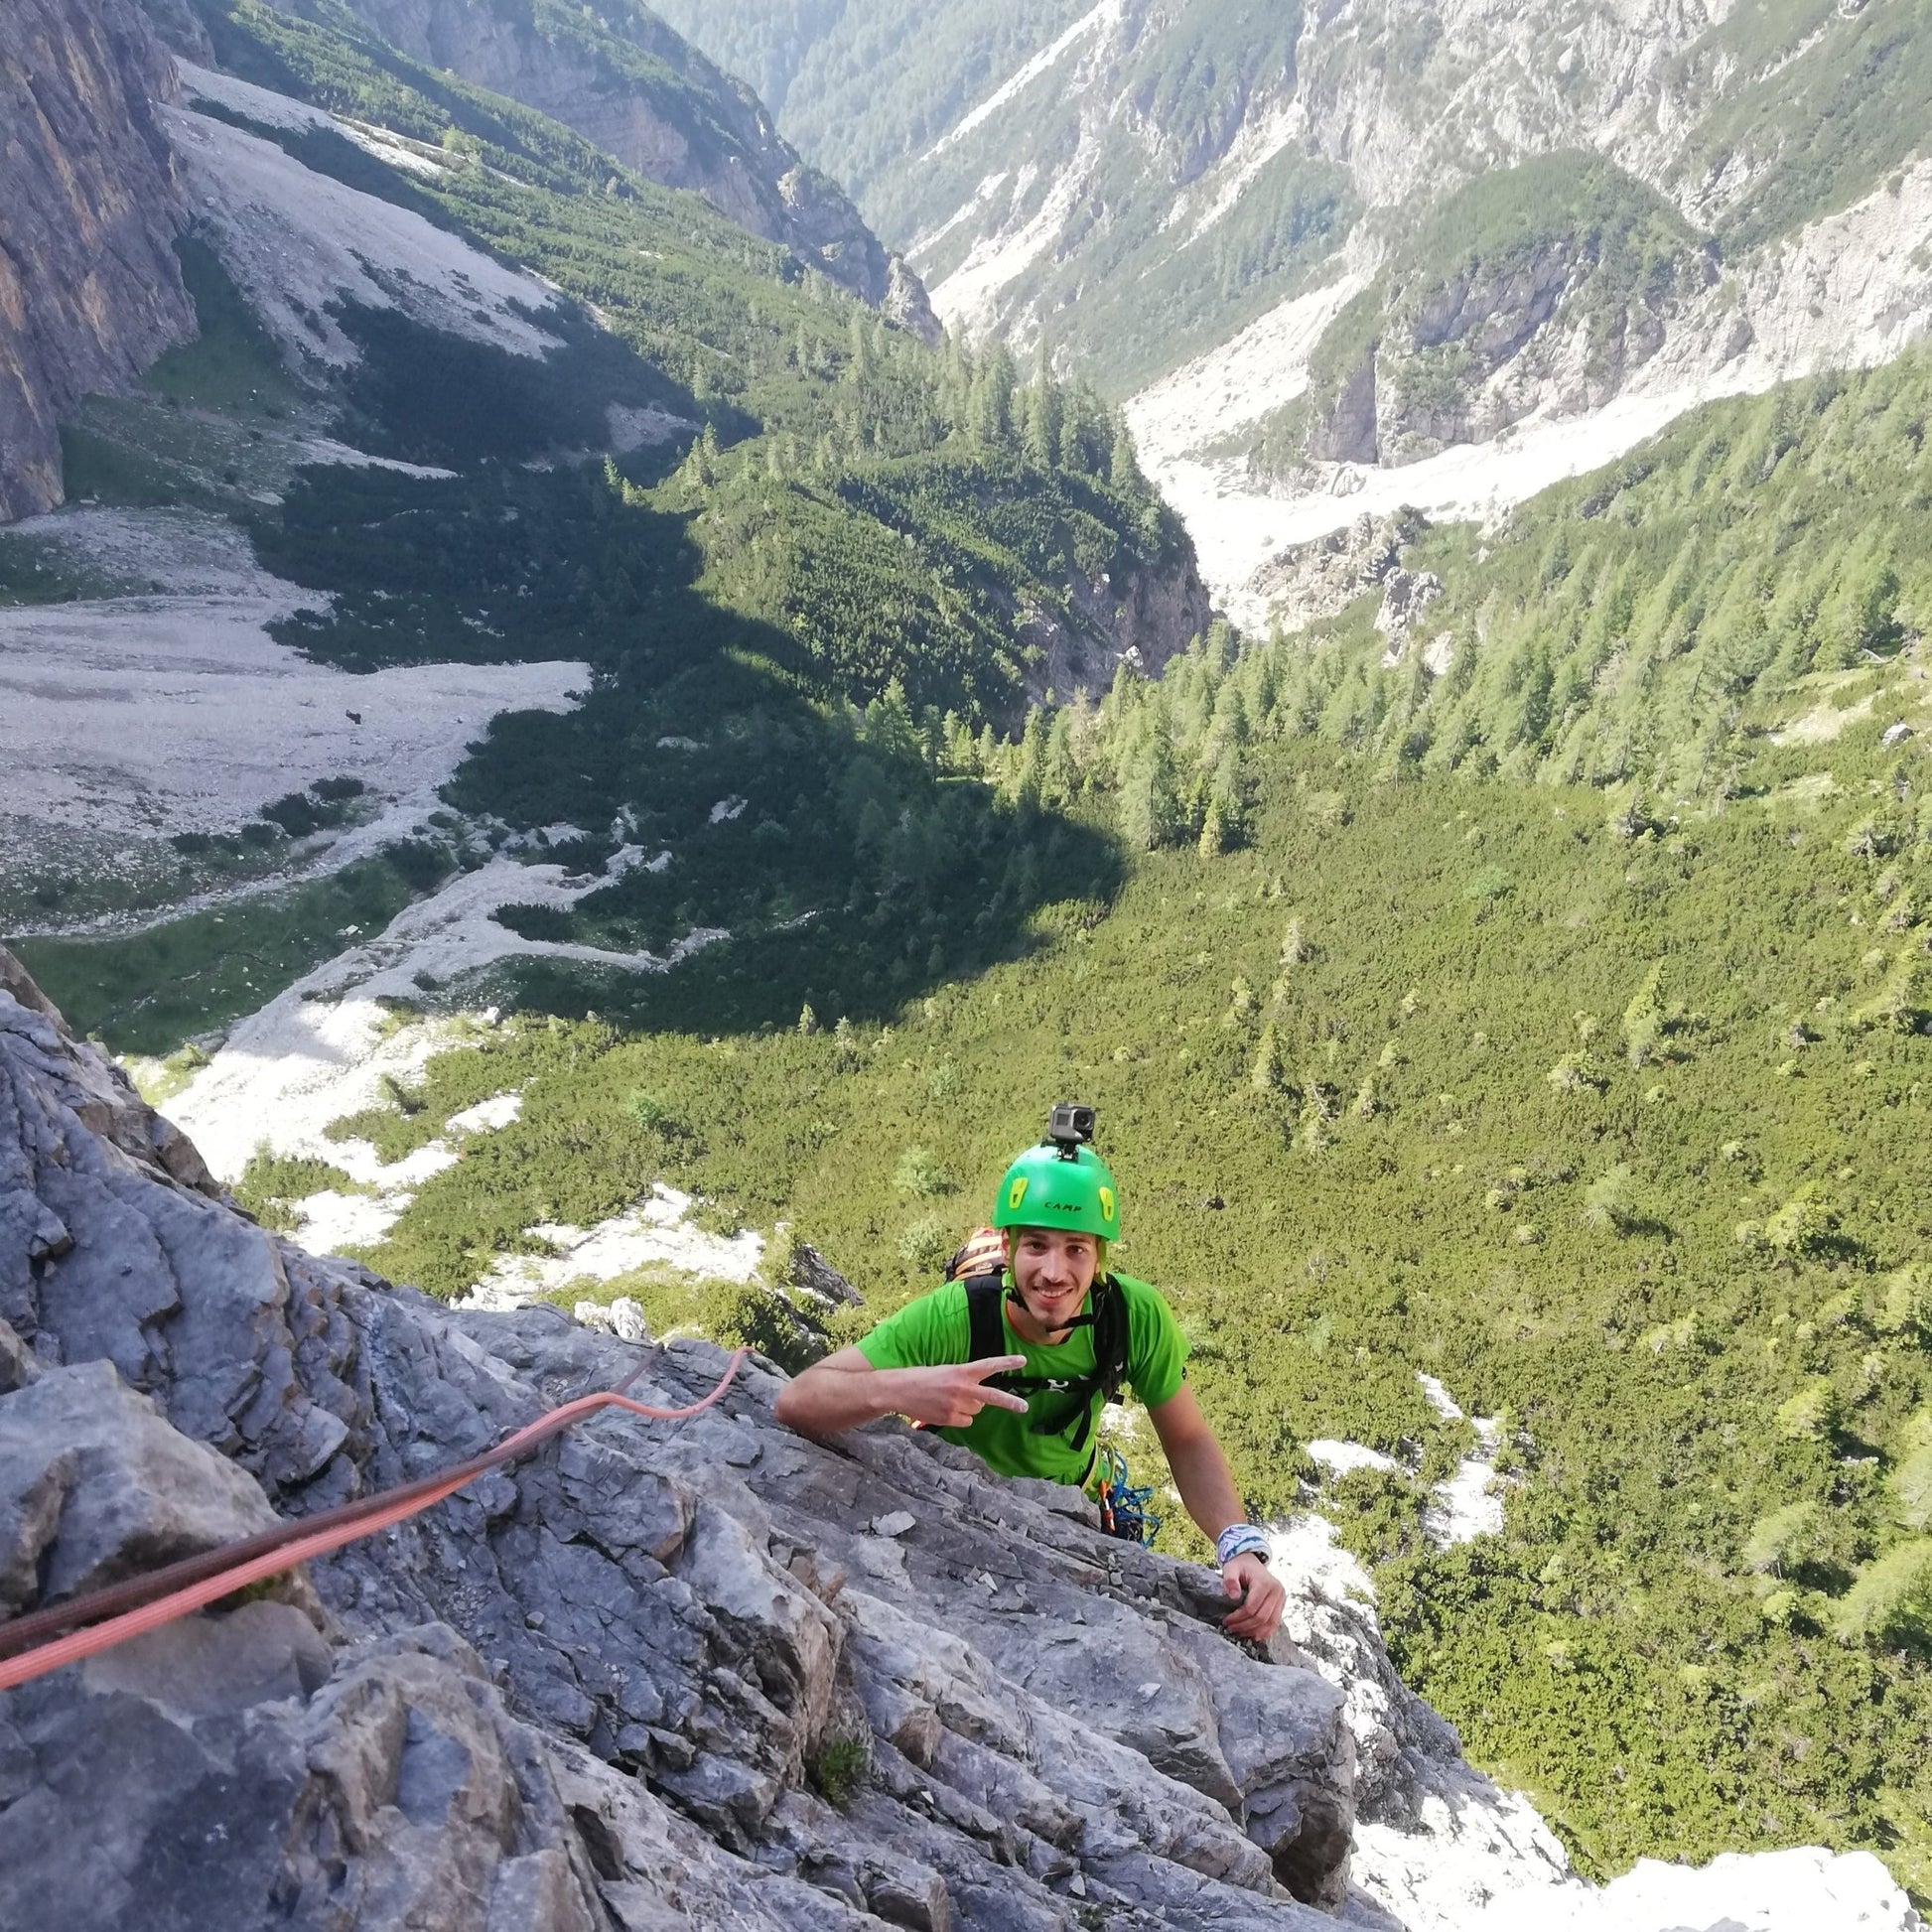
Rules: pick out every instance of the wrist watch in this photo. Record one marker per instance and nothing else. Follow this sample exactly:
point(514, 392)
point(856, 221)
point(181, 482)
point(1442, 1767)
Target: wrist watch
point(1239, 1539)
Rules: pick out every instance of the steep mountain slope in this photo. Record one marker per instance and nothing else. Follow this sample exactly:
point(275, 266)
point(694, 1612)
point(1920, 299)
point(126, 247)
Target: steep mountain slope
point(89, 294)
point(1080, 174)
point(1750, 124)
point(1525, 988)
point(636, 91)
point(1522, 984)
point(1385, 234)
point(704, 1674)
point(685, 1711)
point(470, 394)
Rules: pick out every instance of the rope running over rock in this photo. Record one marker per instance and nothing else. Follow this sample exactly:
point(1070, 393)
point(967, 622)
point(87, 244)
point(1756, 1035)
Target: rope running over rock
point(30, 1647)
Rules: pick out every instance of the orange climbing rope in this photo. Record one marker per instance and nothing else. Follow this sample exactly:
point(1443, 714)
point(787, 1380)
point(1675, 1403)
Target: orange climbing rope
point(30, 1647)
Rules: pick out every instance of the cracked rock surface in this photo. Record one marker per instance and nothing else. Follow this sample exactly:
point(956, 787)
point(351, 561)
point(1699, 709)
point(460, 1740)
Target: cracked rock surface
point(656, 1675)
point(91, 292)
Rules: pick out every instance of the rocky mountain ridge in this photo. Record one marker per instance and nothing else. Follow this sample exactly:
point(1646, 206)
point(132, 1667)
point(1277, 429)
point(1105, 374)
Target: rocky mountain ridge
point(89, 290)
point(1160, 194)
point(642, 92)
point(1035, 158)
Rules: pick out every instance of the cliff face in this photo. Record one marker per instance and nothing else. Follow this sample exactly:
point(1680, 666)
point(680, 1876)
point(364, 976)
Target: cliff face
point(1143, 615)
point(618, 1685)
point(631, 85)
point(91, 292)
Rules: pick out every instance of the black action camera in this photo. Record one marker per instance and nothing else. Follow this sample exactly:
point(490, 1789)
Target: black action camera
point(1070, 1125)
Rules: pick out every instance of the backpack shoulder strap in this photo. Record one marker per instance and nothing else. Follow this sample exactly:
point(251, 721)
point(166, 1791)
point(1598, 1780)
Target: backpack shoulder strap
point(984, 1293)
point(1111, 1338)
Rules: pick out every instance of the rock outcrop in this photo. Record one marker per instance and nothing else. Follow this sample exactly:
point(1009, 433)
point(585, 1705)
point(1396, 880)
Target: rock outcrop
point(709, 1675)
point(1142, 616)
point(1319, 579)
point(643, 93)
point(91, 292)
point(712, 1674)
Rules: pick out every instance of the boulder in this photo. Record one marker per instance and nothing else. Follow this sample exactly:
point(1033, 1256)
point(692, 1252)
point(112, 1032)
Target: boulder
point(95, 1486)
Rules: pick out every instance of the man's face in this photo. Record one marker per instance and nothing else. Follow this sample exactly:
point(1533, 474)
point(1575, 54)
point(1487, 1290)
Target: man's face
point(1052, 1271)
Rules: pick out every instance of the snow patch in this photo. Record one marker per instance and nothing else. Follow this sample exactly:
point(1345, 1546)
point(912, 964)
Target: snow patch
point(1852, 290)
point(149, 715)
point(320, 1050)
point(1237, 526)
point(1805, 1889)
point(1463, 1506)
point(332, 1220)
point(1263, 369)
point(1454, 1852)
point(1344, 1459)
point(394, 149)
point(657, 1229)
point(324, 449)
point(455, 930)
point(1303, 1553)
point(290, 1069)
point(1475, 1858)
point(331, 1223)
point(486, 1116)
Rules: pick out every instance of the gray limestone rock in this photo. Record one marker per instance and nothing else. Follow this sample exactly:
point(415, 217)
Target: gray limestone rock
point(1406, 594)
point(95, 1486)
point(649, 1675)
point(91, 292)
point(1307, 582)
point(810, 1271)
point(227, 1772)
point(17, 1364)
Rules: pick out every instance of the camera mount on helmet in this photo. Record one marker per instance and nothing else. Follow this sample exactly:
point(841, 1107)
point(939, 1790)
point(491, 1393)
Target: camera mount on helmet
point(1069, 1128)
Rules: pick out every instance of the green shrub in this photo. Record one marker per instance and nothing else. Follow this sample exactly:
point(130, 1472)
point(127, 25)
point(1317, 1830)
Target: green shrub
point(1891, 1601)
point(920, 1175)
point(841, 1767)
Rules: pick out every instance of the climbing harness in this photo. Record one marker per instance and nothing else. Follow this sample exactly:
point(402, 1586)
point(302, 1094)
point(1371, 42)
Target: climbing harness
point(985, 1295)
point(33, 1645)
point(1124, 1510)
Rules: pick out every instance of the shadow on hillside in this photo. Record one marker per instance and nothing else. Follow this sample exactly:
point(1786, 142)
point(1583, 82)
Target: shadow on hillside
point(853, 872)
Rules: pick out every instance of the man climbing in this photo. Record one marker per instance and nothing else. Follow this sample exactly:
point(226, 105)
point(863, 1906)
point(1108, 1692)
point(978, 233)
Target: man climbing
point(1017, 1365)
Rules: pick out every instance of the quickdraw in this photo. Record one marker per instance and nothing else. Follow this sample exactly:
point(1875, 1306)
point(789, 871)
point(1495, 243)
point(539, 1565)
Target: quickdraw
point(1124, 1510)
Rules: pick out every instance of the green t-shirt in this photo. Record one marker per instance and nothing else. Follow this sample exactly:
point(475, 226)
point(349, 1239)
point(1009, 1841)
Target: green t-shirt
point(935, 1329)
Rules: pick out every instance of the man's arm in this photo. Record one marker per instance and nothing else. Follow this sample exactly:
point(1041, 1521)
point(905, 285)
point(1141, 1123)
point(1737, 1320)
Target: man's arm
point(1200, 1474)
point(845, 1391)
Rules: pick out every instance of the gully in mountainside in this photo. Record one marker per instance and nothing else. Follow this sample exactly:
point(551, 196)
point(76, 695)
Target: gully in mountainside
point(1049, 1322)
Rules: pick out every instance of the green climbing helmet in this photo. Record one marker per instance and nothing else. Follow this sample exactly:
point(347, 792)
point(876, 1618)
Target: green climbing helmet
point(1057, 1186)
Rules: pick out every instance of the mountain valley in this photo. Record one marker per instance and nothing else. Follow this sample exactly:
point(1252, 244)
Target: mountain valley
point(600, 757)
